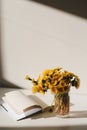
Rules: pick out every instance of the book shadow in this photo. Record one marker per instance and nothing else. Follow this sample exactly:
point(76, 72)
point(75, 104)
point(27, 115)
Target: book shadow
point(42, 114)
point(46, 114)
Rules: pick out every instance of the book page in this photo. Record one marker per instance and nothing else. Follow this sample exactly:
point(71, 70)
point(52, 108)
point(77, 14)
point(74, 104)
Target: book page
point(16, 116)
point(20, 102)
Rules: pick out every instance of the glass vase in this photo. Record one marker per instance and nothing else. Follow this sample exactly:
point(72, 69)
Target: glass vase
point(61, 104)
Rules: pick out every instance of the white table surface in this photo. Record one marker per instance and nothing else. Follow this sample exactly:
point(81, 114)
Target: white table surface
point(77, 117)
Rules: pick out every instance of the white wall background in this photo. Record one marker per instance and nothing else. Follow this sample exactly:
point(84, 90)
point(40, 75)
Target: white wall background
point(36, 37)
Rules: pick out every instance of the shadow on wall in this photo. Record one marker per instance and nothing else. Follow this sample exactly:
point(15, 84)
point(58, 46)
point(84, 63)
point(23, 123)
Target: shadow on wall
point(3, 82)
point(76, 7)
point(0, 47)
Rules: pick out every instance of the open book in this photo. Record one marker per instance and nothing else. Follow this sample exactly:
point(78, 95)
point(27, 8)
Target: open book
point(20, 105)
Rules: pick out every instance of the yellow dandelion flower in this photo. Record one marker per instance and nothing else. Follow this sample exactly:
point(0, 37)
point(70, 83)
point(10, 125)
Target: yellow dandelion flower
point(46, 72)
point(50, 86)
point(34, 89)
point(54, 90)
point(42, 92)
point(57, 69)
point(62, 83)
point(39, 87)
point(27, 77)
point(57, 80)
point(61, 90)
point(77, 82)
point(66, 88)
point(54, 82)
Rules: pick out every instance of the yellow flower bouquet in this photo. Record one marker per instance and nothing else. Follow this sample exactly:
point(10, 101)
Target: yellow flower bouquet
point(59, 81)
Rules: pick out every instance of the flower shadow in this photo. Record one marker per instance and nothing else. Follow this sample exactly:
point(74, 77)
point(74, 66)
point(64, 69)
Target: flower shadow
point(47, 113)
point(78, 114)
point(73, 114)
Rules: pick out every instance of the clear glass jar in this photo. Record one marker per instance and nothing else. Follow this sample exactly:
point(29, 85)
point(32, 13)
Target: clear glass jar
point(61, 104)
